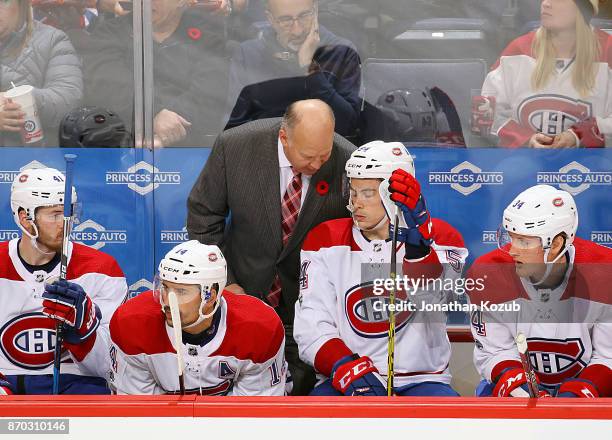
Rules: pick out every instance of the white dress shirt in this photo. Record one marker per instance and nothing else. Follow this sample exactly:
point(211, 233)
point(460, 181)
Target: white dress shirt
point(286, 175)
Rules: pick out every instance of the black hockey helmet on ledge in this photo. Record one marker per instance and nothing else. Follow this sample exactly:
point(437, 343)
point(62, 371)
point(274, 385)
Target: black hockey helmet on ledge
point(93, 127)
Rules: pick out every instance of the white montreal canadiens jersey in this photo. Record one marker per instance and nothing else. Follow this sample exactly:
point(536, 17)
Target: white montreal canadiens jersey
point(27, 337)
point(245, 356)
point(568, 329)
point(520, 111)
point(339, 312)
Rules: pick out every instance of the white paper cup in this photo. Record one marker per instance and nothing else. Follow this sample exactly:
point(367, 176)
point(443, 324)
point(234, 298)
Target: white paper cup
point(32, 130)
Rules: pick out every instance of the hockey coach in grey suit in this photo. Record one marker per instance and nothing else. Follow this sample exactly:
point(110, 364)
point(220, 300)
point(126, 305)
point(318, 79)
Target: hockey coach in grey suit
point(247, 176)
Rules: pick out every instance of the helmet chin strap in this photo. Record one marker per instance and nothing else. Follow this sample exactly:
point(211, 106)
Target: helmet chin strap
point(380, 223)
point(203, 317)
point(549, 264)
point(34, 239)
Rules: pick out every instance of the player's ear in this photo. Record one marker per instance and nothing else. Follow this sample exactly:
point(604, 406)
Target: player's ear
point(23, 220)
point(557, 245)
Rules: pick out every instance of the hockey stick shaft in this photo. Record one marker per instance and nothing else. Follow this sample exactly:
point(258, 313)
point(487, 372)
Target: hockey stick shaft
point(391, 335)
point(532, 383)
point(178, 338)
point(59, 328)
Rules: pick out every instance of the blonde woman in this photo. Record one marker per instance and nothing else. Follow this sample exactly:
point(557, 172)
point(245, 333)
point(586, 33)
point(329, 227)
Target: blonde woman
point(553, 87)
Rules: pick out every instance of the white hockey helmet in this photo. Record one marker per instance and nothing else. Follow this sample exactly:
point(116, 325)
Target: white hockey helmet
point(36, 188)
point(542, 211)
point(378, 159)
point(195, 263)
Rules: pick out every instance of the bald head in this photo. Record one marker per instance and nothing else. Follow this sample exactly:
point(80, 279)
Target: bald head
point(307, 134)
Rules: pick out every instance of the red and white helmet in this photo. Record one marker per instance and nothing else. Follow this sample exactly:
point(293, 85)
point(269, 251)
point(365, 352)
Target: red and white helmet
point(195, 263)
point(36, 188)
point(542, 211)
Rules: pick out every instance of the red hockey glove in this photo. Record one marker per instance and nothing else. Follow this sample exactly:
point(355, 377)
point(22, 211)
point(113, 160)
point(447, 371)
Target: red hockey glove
point(577, 388)
point(68, 303)
point(357, 376)
point(511, 379)
point(5, 386)
point(406, 193)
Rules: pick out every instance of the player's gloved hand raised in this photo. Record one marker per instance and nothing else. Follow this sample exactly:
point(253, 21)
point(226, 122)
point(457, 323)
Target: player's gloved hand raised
point(357, 376)
point(68, 303)
point(576, 387)
point(405, 191)
point(513, 383)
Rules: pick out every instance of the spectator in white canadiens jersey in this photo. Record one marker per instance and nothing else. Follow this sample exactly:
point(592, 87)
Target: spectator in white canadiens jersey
point(552, 87)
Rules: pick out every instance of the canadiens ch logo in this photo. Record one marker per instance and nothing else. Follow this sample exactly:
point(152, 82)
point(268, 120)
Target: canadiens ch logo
point(364, 318)
point(29, 341)
point(552, 114)
point(556, 359)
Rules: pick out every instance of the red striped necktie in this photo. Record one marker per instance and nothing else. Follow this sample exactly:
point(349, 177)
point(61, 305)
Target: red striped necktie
point(290, 210)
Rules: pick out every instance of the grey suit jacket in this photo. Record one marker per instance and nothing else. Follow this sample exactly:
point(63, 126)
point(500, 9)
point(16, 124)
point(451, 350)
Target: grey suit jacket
point(241, 178)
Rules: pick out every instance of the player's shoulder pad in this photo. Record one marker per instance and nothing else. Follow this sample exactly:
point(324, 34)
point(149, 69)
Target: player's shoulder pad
point(7, 269)
point(445, 234)
point(519, 46)
point(337, 232)
point(138, 327)
point(253, 329)
point(592, 270)
point(85, 259)
point(497, 279)
point(485, 263)
point(590, 252)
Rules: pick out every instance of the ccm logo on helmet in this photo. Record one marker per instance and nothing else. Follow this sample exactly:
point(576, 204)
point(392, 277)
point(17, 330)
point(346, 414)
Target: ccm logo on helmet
point(396, 151)
point(170, 269)
point(23, 178)
point(367, 319)
point(212, 257)
point(29, 341)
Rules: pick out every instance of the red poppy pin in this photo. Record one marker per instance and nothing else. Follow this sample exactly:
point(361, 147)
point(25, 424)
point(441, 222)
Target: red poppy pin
point(322, 187)
point(194, 33)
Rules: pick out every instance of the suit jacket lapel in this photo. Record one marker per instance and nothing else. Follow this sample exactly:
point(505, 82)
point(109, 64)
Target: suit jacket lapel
point(312, 205)
point(265, 163)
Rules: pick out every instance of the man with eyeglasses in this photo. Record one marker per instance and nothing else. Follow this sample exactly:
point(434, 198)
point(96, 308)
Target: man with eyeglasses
point(31, 303)
point(554, 288)
point(295, 58)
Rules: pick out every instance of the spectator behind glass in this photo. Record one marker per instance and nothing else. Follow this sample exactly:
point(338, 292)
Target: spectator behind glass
point(220, 7)
point(38, 55)
point(553, 87)
point(294, 59)
point(189, 72)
